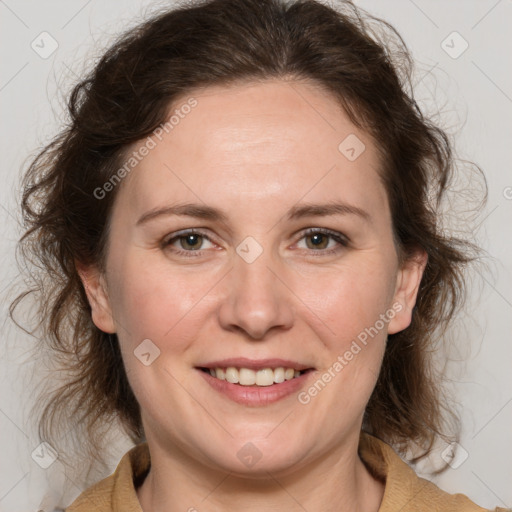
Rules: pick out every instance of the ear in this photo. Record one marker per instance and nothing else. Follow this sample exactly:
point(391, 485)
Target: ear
point(96, 291)
point(407, 285)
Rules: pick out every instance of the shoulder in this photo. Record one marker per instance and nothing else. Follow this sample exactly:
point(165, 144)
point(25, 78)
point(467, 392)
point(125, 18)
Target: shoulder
point(97, 497)
point(404, 490)
point(117, 492)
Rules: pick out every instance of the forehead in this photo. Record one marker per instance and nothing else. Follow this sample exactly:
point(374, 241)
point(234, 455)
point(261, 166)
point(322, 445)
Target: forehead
point(257, 143)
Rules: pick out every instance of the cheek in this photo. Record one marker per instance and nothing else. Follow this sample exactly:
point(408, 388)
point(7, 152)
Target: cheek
point(168, 309)
point(355, 316)
point(351, 298)
point(150, 302)
point(354, 305)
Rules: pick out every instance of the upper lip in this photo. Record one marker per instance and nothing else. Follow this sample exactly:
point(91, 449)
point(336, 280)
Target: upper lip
point(255, 364)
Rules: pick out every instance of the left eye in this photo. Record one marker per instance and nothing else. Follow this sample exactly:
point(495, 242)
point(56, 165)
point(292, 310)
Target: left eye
point(317, 239)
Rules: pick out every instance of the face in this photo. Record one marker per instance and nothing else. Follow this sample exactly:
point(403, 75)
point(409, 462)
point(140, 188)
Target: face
point(283, 258)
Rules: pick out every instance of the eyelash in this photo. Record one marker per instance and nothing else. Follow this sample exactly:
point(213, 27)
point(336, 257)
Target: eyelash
point(336, 236)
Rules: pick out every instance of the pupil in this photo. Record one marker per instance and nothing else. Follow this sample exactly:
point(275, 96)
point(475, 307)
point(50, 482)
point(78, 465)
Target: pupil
point(191, 240)
point(317, 239)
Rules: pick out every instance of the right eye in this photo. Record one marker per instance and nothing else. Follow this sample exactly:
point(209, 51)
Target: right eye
point(189, 241)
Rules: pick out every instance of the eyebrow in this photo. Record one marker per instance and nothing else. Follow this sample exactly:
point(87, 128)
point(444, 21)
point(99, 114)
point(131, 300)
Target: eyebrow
point(200, 211)
point(327, 209)
point(189, 209)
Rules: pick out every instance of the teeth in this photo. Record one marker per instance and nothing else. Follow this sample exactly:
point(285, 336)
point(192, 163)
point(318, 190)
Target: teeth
point(264, 377)
point(248, 377)
point(279, 375)
point(231, 375)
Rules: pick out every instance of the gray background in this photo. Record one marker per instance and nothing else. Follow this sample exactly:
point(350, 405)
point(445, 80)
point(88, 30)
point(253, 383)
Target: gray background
point(474, 93)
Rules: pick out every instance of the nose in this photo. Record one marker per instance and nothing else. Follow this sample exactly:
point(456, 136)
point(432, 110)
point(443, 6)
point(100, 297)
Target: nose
point(257, 299)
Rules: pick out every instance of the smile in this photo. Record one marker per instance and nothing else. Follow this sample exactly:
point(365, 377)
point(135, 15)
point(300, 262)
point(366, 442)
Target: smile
point(250, 377)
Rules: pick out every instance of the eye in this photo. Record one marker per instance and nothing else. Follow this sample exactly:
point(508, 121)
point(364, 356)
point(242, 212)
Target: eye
point(187, 242)
point(191, 243)
point(323, 241)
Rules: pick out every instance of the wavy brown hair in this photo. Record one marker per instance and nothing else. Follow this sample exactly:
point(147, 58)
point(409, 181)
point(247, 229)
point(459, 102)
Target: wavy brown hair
point(358, 59)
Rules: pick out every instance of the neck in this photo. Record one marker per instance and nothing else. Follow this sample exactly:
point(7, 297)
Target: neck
point(335, 482)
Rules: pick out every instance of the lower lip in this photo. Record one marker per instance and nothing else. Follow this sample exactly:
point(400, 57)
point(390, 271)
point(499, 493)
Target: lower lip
point(256, 395)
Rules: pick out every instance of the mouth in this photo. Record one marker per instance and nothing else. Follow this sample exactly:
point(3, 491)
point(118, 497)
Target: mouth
point(253, 382)
point(250, 377)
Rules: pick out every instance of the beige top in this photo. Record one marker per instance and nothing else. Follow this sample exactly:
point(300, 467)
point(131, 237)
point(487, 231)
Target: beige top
point(404, 490)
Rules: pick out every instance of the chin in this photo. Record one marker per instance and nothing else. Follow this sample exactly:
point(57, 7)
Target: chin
point(251, 457)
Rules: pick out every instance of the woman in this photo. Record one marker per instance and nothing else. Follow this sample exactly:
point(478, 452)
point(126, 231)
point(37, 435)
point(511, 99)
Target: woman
point(241, 231)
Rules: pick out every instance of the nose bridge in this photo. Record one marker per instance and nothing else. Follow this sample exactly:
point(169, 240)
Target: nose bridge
point(257, 301)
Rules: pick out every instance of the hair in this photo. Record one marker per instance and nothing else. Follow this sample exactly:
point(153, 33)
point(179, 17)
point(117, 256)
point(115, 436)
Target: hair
point(359, 60)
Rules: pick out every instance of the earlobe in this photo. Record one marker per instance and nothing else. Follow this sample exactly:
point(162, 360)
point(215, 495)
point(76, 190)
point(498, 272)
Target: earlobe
point(95, 288)
point(406, 292)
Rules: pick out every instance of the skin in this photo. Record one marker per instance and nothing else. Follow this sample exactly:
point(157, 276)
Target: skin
point(254, 151)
